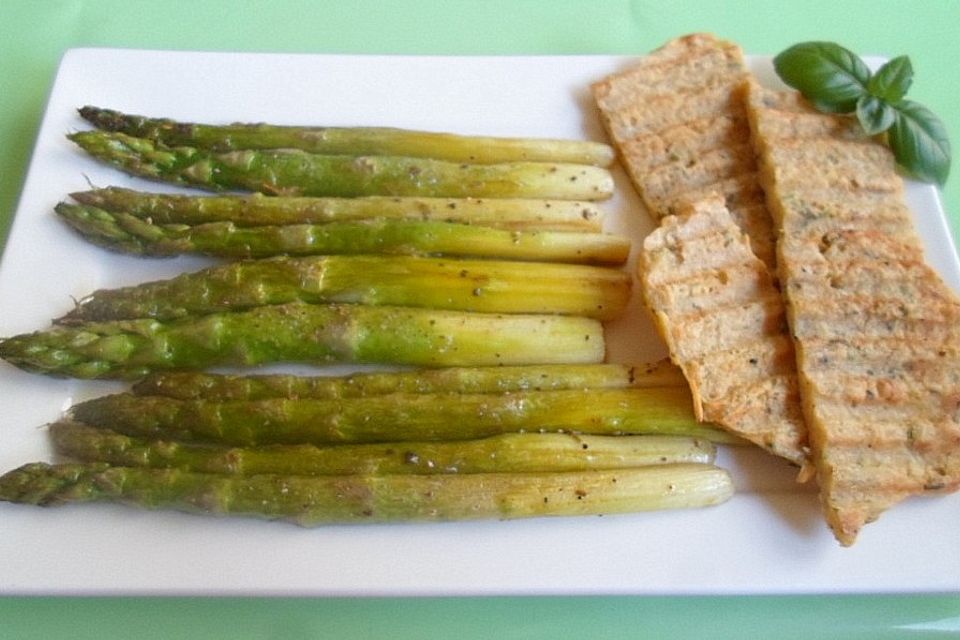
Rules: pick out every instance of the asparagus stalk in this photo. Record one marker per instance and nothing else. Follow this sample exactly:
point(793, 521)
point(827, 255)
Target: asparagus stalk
point(514, 453)
point(120, 231)
point(191, 385)
point(397, 416)
point(306, 333)
point(291, 172)
point(351, 140)
point(465, 285)
point(259, 210)
point(311, 501)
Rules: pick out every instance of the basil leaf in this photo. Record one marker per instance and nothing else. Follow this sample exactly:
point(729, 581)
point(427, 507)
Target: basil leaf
point(892, 80)
point(831, 77)
point(920, 143)
point(875, 115)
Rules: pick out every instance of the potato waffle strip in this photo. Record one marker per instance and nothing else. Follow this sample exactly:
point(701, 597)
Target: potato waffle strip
point(680, 126)
point(877, 332)
point(722, 317)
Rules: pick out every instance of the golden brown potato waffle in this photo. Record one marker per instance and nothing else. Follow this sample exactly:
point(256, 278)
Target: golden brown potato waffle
point(877, 332)
point(679, 124)
point(716, 305)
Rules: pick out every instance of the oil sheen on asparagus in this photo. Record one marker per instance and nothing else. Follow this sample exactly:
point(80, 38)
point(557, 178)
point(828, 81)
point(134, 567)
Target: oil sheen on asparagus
point(398, 416)
point(487, 286)
point(306, 333)
point(123, 232)
point(367, 498)
point(292, 172)
point(258, 210)
point(196, 385)
point(509, 452)
point(351, 140)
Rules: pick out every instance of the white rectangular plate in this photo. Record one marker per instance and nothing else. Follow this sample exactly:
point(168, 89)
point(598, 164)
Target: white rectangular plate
point(770, 538)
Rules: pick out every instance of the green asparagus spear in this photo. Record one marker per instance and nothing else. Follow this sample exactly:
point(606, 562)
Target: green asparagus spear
point(120, 231)
point(195, 385)
point(290, 172)
point(465, 285)
point(259, 210)
point(306, 333)
point(317, 500)
point(398, 416)
point(354, 141)
point(515, 453)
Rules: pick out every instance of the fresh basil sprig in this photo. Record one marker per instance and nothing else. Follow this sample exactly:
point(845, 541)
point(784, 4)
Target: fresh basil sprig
point(836, 80)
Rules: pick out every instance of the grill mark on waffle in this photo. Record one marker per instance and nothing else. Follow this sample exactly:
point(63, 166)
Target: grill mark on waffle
point(670, 181)
point(699, 53)
point(805, 163)
point(686, 141)
point(662, 111)
point(754, 360)
point(722, 328)
point(722, 285)
point(690, 74)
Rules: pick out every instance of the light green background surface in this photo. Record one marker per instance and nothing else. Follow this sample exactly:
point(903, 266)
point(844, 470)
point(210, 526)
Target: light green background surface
point(35, 33)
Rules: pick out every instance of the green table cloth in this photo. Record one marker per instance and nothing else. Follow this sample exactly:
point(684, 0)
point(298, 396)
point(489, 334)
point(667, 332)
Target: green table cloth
point(35, 33)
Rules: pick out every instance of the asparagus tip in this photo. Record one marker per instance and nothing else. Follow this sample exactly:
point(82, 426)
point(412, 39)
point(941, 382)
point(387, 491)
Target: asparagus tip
point(38, 483)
